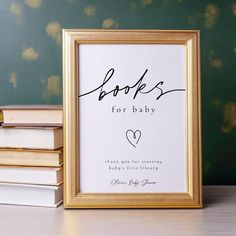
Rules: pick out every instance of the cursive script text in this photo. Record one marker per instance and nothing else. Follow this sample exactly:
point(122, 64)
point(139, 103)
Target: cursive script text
point(139, 87)
point(132, 182)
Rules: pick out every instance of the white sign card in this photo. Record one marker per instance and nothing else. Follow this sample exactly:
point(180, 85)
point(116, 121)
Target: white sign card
point(132, 105)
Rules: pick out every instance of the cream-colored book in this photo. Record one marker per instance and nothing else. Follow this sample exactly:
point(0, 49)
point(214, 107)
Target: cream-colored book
point(28, 157)
point(32, 115)
point(31, 137)
point(31, 175)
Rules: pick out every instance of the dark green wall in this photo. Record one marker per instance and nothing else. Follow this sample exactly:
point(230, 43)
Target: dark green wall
point(31, 63)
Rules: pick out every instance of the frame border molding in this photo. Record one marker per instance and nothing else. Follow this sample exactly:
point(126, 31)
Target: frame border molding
point(72, 197)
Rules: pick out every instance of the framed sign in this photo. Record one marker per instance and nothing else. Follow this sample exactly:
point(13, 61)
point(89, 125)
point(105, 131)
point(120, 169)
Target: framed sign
point(132, 132)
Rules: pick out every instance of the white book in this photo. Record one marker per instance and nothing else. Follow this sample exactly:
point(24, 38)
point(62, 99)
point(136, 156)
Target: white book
point(31, 137)
point(31, 175)
point(31, 195)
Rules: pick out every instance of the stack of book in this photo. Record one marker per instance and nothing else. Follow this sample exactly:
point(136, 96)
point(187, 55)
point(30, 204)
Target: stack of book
point(31, 155)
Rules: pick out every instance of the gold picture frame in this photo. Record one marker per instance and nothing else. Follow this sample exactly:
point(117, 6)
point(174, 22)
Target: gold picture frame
point(73, 198)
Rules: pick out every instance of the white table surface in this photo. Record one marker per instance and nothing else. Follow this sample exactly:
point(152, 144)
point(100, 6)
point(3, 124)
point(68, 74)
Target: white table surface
point(217, 218)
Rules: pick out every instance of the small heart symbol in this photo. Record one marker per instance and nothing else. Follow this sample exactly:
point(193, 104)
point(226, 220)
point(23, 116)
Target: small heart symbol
point(133, 137)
